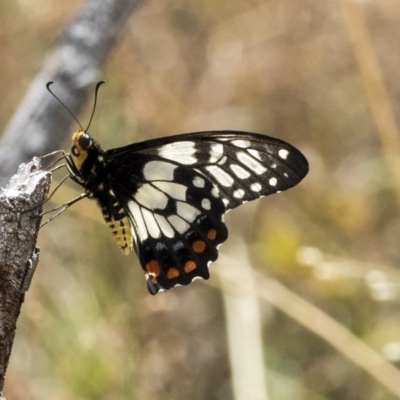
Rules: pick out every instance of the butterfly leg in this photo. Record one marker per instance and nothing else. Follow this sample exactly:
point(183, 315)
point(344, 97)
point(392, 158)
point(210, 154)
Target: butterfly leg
point(60, 209)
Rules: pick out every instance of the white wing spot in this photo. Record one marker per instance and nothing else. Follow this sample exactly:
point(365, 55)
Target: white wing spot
point(251, 163)
point(220, 175)
point(283, 153)
point(216, 152)
point(164, 225)
point(186, 211)
point(159, 171)
point(137, 220)
point(256, 187)
point(273, 181)
point(255, 153)
point(172, 189)
point(199, 182)
point(206, 204)
point(150, 197)
point(226, 202)
point(178, 223)
point(239, 171)
point(151, 224)
point(182, 152)
point(239, 193)
point(244, 144)
point(215, 192)
point(222, 161)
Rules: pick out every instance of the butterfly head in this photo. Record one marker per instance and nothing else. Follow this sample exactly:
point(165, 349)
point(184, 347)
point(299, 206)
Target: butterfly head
point(82, 143)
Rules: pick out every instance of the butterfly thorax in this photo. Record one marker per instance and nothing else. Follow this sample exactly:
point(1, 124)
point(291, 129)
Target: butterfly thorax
point(88, 159)
point(89, 169)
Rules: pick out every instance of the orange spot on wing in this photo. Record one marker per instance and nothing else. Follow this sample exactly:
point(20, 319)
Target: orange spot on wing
point(190, 266)
point(199, 246)
point(153, 267)
point(172, 273)
point(212, 234)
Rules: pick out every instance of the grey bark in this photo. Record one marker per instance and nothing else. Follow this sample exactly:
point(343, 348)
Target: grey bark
point(20, 209)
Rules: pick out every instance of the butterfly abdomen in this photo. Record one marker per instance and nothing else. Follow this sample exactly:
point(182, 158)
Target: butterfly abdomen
point(117, 220)
point(100, 188)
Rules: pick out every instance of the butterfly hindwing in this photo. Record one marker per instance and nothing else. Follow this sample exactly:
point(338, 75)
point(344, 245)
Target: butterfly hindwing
point(177, 217)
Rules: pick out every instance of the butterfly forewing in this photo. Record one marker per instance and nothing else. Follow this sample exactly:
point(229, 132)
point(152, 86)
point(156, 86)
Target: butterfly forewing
point(243, 166)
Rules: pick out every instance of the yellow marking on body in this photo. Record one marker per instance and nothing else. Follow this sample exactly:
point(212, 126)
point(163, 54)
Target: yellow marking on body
point(172, 273)
point(190, 266)
point(199, 246)
point(79, 154)
point(122, 232)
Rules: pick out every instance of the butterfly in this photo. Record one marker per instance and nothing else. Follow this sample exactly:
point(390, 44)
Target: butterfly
point(166, 198)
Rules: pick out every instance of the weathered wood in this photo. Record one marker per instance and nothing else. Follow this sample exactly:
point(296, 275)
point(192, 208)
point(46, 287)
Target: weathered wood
point(20, 209)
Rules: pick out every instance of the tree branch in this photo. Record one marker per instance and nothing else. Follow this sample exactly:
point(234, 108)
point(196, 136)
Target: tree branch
point(20, 209)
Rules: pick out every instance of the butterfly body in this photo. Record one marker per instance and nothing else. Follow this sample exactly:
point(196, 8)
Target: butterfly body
point(167, 197)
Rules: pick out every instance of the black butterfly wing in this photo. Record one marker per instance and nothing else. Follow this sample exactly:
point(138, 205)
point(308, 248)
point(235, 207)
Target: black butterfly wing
point(243, 166)
point(176, 190)
point(176, 214)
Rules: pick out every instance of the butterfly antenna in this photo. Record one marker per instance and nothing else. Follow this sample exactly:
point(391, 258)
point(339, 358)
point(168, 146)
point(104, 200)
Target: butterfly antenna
point(95, 102)
point(62, 103)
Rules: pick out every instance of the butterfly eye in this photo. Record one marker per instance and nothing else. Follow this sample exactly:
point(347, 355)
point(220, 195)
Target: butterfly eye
point(84, 141)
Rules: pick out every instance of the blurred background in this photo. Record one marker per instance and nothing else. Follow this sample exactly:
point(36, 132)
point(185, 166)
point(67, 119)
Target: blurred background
point(304, 301)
